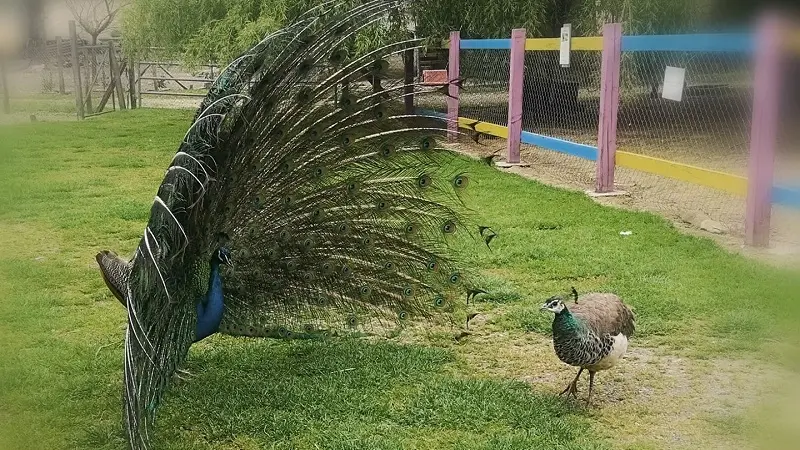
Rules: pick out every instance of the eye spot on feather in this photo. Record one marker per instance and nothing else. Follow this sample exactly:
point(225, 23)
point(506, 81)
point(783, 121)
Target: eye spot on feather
point(326, 268)
point(402, 315)
point(364, 291)
point(288, 200)
point(353, 188)
point(424, 181)
point(322, 300)
point(307, 244)
point(367, 242)
point(412, 229)
point(427, 143)
point(460, 181)
point(343, 228)
point(432, 265)
point(408, 291)
point(284, 234)
point(352, 321)
point(345, 271)
point(320, 172)
point(455, 278)
point(382, 206)
point(346, 102)
point(389, 267)
point(387, 150)
point(291, 265)
point(318, 215)
point(379, 112)
point(438, 301)
point(449, 227)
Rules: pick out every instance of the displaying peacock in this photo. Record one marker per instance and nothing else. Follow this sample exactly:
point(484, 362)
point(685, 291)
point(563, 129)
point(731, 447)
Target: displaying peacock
point(299, 204)
point(591, 334)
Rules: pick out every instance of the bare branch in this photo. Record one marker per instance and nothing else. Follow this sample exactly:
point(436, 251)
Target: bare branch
point(95, 16)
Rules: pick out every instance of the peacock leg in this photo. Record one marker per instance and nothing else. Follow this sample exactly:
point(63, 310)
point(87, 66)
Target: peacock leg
point(572, 388)
point(591, 384)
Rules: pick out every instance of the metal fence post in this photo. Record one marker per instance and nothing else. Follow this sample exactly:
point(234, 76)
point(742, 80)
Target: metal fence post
point(764, 130)
point(453, 74)
point(515, 81)
point(609, 107)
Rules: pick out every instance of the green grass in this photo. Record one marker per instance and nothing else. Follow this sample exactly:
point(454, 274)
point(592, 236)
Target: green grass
point(71, 189)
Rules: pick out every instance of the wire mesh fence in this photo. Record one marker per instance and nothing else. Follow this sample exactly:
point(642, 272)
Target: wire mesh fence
point(708, 128)
point(561, 102)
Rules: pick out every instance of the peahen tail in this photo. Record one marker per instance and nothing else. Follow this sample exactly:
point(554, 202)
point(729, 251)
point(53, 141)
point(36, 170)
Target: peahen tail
point(341, 212)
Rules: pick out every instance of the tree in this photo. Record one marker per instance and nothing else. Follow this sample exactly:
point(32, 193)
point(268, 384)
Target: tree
point(95, 16)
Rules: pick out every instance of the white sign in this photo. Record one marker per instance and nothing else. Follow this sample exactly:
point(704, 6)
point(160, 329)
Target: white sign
point(673, 83)
point(566, 44)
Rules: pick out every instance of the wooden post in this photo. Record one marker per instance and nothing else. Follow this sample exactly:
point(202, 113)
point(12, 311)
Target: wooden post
point(76, 69)
point(515, 81)
point(609, 107)
point(408, 88)
point(132, 82)
point(139, 83)
point(764, 130)
point(116, 74)
point(453, 73)
point(91, 59)
point(60, 65)
point(154, 69)
point(4, 80)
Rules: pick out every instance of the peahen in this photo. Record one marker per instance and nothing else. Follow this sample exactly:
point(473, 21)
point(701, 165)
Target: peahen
point(299, 205)
point(591, 334)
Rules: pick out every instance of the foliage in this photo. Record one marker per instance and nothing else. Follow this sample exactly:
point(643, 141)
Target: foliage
point(217, 30)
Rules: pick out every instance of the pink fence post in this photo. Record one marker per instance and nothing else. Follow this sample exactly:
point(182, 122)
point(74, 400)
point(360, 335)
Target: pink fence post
point(609, 106)
point(453, 74)
point(515, 80)
point(764, 130)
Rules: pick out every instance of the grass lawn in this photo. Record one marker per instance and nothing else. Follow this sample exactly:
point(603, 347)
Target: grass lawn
point(710, 324)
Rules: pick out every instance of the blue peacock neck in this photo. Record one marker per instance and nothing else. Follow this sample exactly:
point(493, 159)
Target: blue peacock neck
point(567, 324)
point(210, 309)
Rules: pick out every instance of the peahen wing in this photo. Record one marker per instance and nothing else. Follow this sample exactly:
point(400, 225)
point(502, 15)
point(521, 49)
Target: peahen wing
point(341, 213)
point(605, 313)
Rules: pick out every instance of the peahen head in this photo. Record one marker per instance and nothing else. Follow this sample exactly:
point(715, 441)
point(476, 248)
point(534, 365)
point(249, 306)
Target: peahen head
point(222, 256)
point(554, 304)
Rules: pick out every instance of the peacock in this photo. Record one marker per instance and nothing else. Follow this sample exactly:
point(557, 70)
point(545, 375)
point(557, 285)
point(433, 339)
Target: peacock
point(592, 334)
point(300, 204)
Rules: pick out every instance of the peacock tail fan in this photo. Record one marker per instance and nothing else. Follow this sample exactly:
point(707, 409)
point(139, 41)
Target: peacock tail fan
point(343, 214)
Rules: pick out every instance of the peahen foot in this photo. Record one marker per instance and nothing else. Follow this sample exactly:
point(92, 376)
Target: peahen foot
point(572, 388)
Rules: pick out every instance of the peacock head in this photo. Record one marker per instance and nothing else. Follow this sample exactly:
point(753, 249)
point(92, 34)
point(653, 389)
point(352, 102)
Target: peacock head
point(223, 256)
point(554, 304)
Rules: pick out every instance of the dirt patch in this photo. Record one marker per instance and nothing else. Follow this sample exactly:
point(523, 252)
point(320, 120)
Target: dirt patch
point(652, 399)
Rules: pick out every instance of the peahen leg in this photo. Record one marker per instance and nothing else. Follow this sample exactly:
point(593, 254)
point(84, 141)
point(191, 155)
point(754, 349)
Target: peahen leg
point(591, 384)
point(572, 388)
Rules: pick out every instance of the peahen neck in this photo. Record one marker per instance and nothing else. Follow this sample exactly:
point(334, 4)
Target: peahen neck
point(567, 324)
point(210, 309)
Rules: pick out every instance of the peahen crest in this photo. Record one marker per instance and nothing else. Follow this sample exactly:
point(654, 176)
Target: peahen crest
point(341, 213)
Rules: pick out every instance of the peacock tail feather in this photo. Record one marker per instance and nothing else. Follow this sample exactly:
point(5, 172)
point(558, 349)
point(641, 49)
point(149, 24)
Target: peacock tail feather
point(341, 213)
